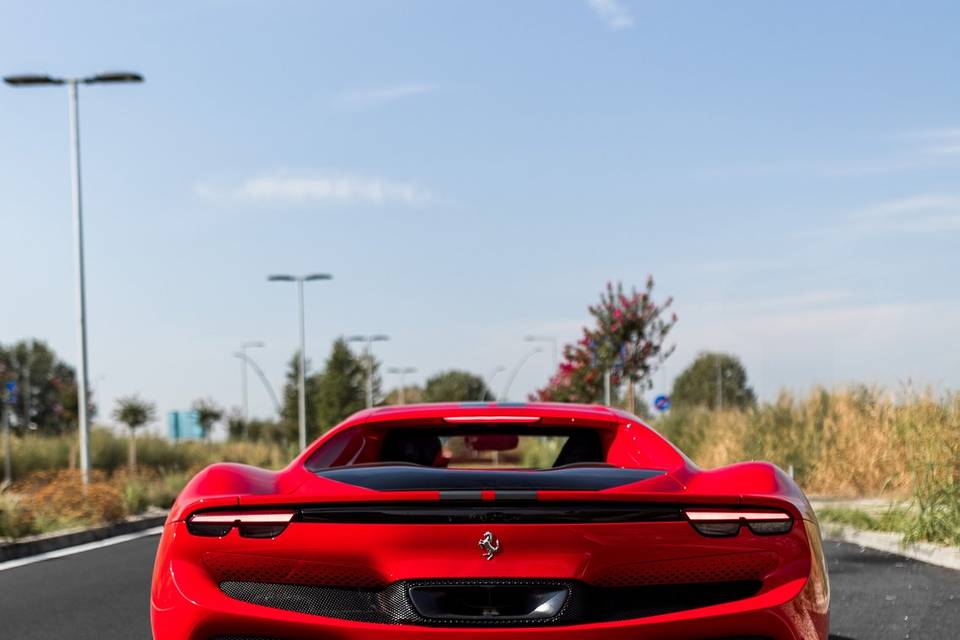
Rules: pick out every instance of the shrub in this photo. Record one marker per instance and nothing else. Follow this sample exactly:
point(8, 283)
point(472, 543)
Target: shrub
point(16, 518)
point(62, 500)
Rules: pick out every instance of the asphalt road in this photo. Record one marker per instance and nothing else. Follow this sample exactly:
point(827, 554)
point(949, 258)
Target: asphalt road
point(102, 594)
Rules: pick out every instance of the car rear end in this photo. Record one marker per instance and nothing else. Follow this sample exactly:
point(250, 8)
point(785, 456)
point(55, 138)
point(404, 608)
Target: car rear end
point(538, 554)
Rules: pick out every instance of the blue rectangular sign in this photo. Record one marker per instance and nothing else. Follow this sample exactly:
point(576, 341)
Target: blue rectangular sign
point(184, 425)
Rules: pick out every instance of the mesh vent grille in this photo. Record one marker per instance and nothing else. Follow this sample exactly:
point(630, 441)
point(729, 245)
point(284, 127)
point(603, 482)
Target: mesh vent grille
point(361, 605)
point(727, 568)
point(238, 567)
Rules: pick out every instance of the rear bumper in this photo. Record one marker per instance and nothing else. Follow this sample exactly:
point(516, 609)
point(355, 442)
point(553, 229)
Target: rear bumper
point(782, 614)
point(188, 604)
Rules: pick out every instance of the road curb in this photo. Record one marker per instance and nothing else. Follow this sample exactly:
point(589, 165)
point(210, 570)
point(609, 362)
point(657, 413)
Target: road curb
point(941, 556)
point(45, 543)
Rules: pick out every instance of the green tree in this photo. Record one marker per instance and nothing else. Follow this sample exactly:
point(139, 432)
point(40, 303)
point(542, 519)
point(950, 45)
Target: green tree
point(208, 414)
point(455, 386)
point(713, 380)
point(290, 411)
point(628, 339)
point(134, 412)
point(46, 387)
point(340, 390)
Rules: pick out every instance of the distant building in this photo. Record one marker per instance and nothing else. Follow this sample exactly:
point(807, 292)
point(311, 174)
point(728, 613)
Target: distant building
point(184, 425)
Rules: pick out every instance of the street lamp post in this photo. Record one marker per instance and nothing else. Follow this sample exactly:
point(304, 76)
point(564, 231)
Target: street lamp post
point(368, 357)
point(513, 374)
point(252, 344)
point(489, 381)
point(82, 368)
point(553, 346)
point(247, 360)
point(301, 383)
point(7, 447)
point(402, 372)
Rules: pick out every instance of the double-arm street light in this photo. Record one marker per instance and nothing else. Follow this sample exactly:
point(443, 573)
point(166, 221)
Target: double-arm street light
point(301, 383)
point(82, 368)
point(402, 372)
point(368, 357)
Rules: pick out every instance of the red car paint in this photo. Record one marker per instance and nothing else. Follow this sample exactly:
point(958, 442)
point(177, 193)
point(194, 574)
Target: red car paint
point(790, 600)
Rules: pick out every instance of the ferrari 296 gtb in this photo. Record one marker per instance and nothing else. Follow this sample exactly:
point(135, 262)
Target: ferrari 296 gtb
point(478, 521)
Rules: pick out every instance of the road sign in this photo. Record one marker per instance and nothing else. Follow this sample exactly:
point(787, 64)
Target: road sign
point(662, 402)
point(11, 388)
point(184, 425)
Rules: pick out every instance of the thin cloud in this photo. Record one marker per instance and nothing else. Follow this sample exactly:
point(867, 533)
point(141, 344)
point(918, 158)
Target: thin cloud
point(917, 214)
point(938, 142)
point(912, 151)
point(382, 95)
point(336, 188)
point(613, 12)
point(799, 300)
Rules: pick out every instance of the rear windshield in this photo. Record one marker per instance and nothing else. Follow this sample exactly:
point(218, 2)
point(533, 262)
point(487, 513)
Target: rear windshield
point(463, 448)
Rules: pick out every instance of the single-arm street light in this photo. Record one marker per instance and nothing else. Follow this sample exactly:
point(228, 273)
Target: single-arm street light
point(553, 346)
point(252, 344)
point(301, 383)
point(513, 374)
point(489, 381)
point(402, 372)
point(35, 80)
point(247, 360)
point(368, 357)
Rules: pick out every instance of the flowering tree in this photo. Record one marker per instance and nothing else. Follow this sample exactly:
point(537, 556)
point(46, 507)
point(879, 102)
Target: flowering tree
point(627, 341)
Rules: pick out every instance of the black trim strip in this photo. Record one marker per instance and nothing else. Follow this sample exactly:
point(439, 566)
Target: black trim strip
point(517, 512)
point(461, 495)
point(515, 495)
point(404, 477)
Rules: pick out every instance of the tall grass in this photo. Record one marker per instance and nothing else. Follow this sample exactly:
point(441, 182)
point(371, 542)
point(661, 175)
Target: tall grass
point(846, 442)
point(851, 442)
point(46, 492)
point(108, 453)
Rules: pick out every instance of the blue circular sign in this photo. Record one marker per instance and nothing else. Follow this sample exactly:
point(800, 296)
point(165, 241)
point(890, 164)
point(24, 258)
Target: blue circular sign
point(662, 402)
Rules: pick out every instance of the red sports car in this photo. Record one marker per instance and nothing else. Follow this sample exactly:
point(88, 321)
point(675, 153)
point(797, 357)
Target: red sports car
point(485, 520)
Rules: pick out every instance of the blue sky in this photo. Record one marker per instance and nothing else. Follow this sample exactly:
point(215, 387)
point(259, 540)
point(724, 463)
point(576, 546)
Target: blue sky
point(472, 172)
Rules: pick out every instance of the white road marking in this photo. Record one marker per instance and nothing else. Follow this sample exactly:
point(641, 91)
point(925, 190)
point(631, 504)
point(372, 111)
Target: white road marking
point(80, 548)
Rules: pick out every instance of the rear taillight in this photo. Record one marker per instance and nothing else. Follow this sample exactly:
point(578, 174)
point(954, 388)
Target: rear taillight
point(727, 523)
point(253, 524)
